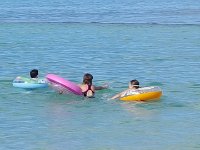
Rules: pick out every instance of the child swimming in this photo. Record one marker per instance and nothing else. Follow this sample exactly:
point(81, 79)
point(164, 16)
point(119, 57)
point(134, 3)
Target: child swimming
point(34, 74)
point(133, 84)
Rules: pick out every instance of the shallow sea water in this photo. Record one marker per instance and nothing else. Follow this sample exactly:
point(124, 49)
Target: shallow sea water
point(156, 42)
point(156, 55)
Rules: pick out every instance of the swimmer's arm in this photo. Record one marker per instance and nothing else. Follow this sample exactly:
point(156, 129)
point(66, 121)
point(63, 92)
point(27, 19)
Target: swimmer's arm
point(100, 87)
point(118, 95)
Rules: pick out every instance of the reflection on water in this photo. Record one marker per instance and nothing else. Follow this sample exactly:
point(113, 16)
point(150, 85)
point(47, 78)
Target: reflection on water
point(138, 109)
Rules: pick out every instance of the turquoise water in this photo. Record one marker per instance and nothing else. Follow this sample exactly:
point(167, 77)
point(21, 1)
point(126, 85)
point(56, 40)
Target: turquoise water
point(107, 11)
point(161, 55)
point(154, 42)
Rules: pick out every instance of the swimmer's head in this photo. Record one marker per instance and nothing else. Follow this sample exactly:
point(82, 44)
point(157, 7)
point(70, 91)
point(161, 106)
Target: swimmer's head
point(134, 84)
point(87, 79)
point(34, 73)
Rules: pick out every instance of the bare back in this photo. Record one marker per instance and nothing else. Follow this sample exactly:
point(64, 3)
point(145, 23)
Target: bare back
point(87, 90)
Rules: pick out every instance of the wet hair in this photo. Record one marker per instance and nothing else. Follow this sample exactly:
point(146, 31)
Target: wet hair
point(87, 79)
point(135, 83)
point(34, 73)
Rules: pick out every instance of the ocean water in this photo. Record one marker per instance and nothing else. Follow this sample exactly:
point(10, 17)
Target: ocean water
point(154, 42)
point(107, 11)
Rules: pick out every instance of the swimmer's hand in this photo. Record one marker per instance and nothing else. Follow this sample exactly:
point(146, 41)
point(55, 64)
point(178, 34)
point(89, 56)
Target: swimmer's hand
point(105, 86)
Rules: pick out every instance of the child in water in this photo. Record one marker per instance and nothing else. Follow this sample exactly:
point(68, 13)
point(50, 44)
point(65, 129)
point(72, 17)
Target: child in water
point(133, 84)
point(33, 78)
point(88, 89)
point(34, 74)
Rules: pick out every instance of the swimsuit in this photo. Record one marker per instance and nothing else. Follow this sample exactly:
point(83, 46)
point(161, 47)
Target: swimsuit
point(89, 89)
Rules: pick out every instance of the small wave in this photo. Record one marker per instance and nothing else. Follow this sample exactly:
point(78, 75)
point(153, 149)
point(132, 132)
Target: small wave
point(195, 85)
point(155, 84)
point(108, 23)
point(177, 105)
point(6, 80)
